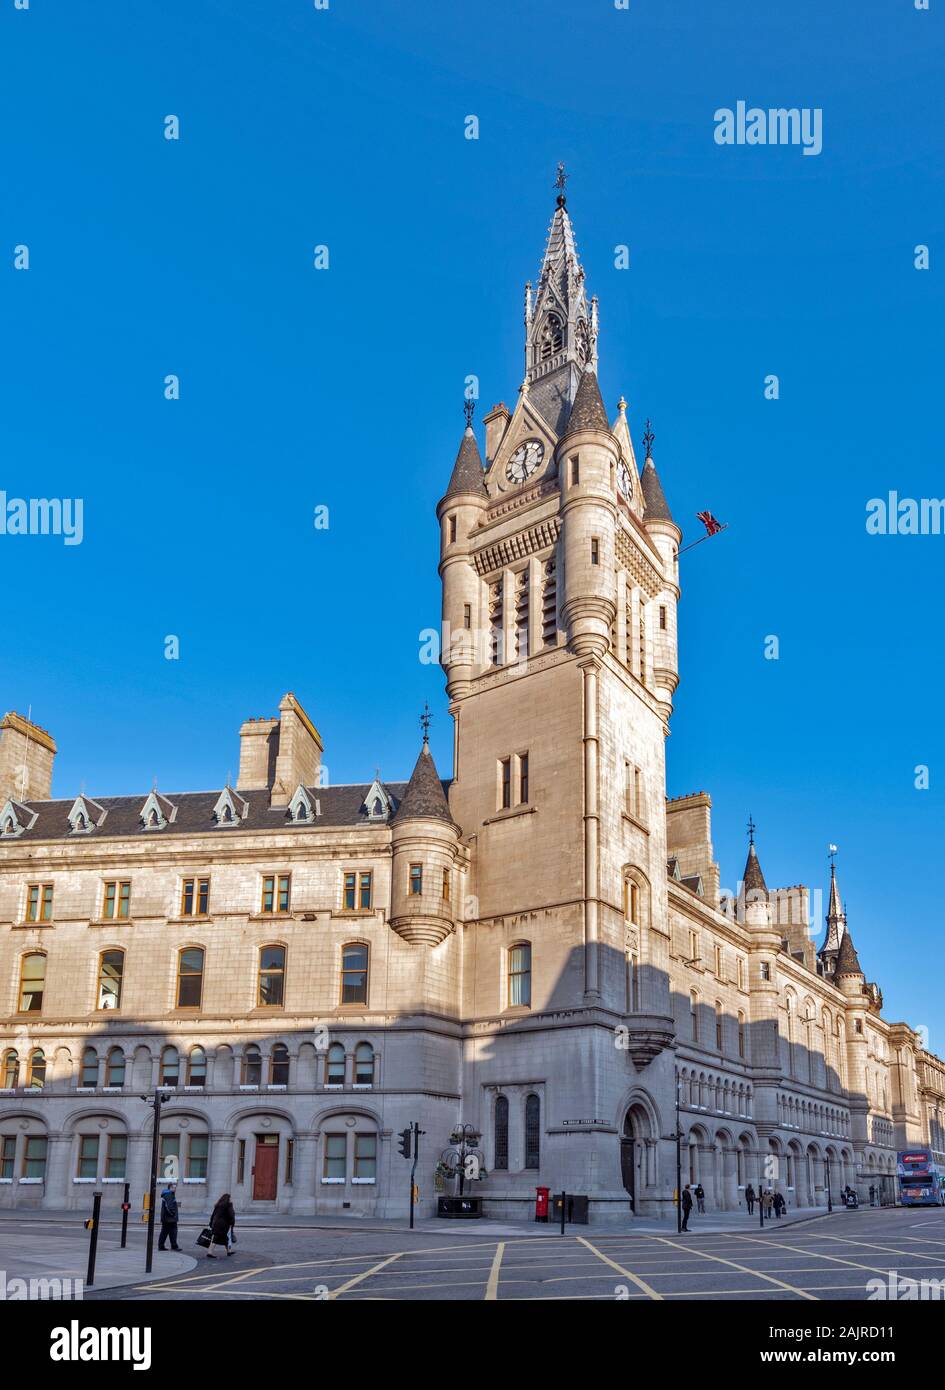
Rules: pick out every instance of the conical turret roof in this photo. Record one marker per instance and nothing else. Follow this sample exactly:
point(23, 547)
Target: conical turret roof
point(467, 476)
point(424, 798)
point(655, 506)
point(848, 962)
point(753, 878)
point(587, 412)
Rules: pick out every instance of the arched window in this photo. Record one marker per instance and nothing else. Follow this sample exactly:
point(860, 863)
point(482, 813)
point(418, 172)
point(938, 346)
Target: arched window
point(32, 982)
point(520, 975)
point(364, 1064)
point(719, 1016)
point(89, 1068)
point(271, 990)
point(335, 1065)
point(501, 1134)
point(279, 1065)
point(251, 1074)
point(227, 812)
point(189, 977)
point(741, 1035)
point(197, 1067)
point(11, 1069)
point(551, 337)
point(693, 1015)
point(354, 973)
point(170, 1066)
point(115, 1067)
point(532, 1131)
point(111, 969)
point(36, 1070)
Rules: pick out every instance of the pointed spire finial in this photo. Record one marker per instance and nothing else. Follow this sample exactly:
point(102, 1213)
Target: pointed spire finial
point(469, 408)
point(831, 855)
point(560, 182)
point(648, 439)
point(425, 718)
point(751, 829)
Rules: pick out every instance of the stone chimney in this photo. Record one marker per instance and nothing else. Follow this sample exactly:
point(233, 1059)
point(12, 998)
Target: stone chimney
point(259, 744)
point(300, 752)
point(277, 754)
point(26, 760)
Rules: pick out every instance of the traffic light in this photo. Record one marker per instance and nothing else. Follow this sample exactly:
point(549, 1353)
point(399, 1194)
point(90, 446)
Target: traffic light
point(404, 1143)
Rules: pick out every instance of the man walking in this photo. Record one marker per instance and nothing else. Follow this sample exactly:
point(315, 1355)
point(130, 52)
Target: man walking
point(686, 1207)
point(700, 1199)
point(750, 1199)
point(169, 1217)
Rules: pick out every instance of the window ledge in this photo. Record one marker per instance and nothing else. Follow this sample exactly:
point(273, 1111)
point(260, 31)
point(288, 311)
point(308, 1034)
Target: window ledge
point(199, 919)
point(75, 1180)
point(34, 1181)
point(363, 1182)
point(195, 1180)
point(31, 926)
point(336, 1182)
point(111, 921)
point(272, 916)
point(512, 813)
point(625, 815)
point(104, 1180)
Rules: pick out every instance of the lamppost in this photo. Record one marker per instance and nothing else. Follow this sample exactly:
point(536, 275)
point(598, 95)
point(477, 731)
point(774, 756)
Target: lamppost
point(464, 1159)
point(678, 1138)
point(827, 1183)
point(160, 1098)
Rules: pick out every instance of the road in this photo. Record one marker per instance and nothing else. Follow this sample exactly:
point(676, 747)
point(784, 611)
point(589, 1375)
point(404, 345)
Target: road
point(828, 1258)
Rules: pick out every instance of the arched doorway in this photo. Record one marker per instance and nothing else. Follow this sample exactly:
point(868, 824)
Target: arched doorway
point(628, 1165)
point(638, 1156)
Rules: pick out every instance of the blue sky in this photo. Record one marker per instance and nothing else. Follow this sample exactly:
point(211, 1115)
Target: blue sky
point(343, 388)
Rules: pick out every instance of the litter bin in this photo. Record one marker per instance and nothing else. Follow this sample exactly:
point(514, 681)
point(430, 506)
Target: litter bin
point(576, 1208)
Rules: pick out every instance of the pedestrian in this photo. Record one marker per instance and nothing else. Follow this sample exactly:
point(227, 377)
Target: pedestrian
point(750, 1199)
point(170, 1213)
point(768, 1203)
point(779, 1205)
point(700, 1199)
point(686, 1207)
point(222, 1222)
point(872, 1195)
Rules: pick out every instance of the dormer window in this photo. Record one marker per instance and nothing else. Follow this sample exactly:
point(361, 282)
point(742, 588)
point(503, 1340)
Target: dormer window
point(157, 812)
point(230, 808)
point(86, 815)
point(377, 804)
point(14, 819)
point(300, 808)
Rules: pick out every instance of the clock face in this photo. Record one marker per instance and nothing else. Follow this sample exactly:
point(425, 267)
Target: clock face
point(624, 480)
point(525, 460)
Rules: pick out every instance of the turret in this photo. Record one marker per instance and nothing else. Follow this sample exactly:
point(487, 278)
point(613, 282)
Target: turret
point(460, 511)
point(665, 535)
point(836, 927)
point(587, 456)
point(424, 841)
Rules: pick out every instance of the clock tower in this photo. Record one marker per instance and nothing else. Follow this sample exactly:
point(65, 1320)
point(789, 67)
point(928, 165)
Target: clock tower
point(560, 586)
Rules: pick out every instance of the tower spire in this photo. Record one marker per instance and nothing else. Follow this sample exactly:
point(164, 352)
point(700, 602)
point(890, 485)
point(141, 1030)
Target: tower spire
point(753, 879)
point(829, 952)
point(561, 322)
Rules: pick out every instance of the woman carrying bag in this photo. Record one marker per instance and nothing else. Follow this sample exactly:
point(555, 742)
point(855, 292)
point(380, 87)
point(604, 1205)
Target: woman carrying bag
point(222, 1221)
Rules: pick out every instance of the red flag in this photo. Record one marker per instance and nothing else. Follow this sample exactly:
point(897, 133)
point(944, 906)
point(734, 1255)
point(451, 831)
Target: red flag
point(709, 522)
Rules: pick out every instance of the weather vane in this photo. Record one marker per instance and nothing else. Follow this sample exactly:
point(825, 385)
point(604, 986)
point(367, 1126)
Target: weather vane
point(560, 182)
point(751, 830)
point(425, 718)
point(468, 409)
point(648, 438)
point(831, 853)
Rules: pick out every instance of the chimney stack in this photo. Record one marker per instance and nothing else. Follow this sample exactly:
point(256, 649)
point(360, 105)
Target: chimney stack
point(26, 760)
point(277, 754)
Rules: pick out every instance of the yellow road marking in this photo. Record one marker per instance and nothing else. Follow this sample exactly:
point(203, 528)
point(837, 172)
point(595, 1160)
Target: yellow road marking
point(359, 1278)
point(818, 1255)
point(640, 1283)
point(743, 1269)
point(492, 1287)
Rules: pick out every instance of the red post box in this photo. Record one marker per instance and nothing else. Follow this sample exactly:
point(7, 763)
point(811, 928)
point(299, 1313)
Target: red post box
point(541, 1203)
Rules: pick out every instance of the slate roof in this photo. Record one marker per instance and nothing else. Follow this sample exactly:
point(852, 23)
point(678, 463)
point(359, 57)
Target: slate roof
point(424, 797)
point(467, 475)
point(339, 806)
point(848, 962)
point(655, 506)
point(753, 878)
point(587, 412)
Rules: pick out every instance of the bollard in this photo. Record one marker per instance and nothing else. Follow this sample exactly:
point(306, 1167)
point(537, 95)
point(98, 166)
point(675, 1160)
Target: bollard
point(125, 1207)
point(564, 1208)
point(92, 1226)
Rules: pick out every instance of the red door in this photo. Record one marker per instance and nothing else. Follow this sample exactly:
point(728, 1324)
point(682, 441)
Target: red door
point(266, 1167)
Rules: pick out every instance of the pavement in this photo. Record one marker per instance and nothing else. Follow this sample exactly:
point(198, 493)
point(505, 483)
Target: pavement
point(808, 1257)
